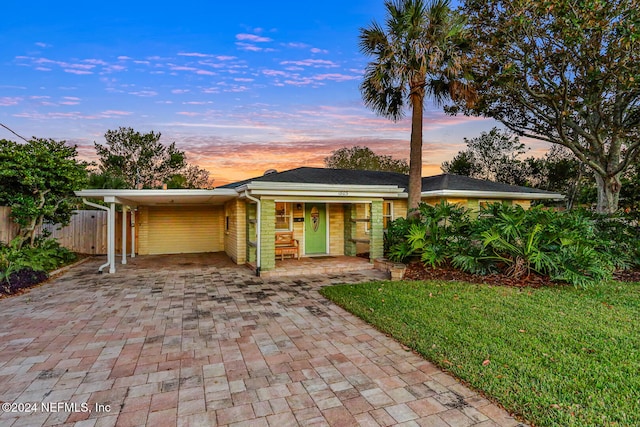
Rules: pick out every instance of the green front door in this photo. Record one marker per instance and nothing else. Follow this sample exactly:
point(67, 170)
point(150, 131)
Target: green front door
point(315, 228)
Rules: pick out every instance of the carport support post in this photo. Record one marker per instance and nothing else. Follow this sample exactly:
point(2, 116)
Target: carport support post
point(124, 234)
point(133, 233)
point(111, 246)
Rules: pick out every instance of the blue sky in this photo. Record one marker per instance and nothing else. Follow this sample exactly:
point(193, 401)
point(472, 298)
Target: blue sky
point(242, 87)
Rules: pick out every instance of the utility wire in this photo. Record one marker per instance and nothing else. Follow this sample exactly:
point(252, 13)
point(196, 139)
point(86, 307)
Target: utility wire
point(16, 134)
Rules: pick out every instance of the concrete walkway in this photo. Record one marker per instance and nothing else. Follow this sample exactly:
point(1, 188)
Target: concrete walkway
point(171, 343)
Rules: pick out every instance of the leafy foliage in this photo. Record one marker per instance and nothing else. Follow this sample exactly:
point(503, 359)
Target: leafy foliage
point(495, 156)
point(572, 246)
point(25, 266)
point(37, 180)
point(519, 242)
point(191, 176)
point(396, 245)
point(619, 237)
point(564, 72)
point(439, 233)
point(138, 159)
point(363, 158)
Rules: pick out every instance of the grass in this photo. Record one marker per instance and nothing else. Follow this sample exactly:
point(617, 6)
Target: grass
point(556, 356)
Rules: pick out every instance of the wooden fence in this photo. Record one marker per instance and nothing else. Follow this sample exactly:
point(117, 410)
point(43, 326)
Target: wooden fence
point(86, 233)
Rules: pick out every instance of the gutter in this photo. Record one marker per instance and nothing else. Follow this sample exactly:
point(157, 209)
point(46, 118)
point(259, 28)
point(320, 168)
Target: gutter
point(109, 231)
point(258, 230)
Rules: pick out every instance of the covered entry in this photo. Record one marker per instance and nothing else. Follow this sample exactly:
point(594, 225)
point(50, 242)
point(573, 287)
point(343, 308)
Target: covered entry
point(165, 221)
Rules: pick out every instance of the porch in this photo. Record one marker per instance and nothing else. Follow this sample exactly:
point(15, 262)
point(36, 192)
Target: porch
point(317, 265)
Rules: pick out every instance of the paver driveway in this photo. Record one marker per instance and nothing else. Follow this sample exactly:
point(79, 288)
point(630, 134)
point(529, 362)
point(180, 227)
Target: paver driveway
point(187, 344)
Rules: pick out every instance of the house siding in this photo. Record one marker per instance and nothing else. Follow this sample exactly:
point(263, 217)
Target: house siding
point(181, 229)
point(399, 208)
point(235, 239)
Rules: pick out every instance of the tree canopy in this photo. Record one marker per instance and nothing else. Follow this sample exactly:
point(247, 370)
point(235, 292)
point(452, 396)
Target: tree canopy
point(562, 71)
point(191, 176)
point(498, 155)
point(495, 155)
point(363, 158)
point(37, 180)
point(138, 159)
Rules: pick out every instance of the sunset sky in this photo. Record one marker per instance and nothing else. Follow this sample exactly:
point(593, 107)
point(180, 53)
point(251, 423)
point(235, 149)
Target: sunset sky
point(242, 87)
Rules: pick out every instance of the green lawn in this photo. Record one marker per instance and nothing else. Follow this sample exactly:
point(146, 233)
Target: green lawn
point(556, 356)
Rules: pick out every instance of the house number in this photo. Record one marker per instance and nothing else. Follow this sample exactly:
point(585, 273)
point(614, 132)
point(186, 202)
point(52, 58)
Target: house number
point(343, 193)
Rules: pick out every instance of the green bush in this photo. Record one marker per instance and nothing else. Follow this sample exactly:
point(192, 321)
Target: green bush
point(573, 247)
point(619, 237)
point(520, 242)
point(396, 246)
point(46, 255)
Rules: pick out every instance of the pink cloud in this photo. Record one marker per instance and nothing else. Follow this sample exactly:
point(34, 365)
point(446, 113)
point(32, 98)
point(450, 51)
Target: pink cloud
point(196, 54)
point(6, 101)
point(312, 63)
point(78, 72)
point(335, 77)
point(249, 47)
point(117, 113)
point(144, 93)
point(253, 38)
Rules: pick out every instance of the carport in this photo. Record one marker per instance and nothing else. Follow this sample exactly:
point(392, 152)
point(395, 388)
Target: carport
point(168, 221)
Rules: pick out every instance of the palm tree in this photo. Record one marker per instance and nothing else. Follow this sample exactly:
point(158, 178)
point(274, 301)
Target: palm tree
point(418, 54)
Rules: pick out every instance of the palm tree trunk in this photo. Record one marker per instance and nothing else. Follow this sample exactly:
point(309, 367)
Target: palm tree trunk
point(415, 155)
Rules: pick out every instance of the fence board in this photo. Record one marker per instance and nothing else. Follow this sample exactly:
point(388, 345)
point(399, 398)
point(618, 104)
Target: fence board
point(86, 233)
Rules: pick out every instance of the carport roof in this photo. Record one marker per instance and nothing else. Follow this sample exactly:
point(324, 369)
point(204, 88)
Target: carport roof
point(160, 197)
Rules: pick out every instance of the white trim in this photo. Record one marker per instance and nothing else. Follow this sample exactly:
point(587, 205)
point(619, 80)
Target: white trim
point(491, 194)
point(124, 234)
point(170, 193)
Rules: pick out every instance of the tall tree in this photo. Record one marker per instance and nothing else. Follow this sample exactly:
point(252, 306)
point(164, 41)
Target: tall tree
point(192, 176)
point(566, 72)
point(495, 156)
point(37, 180)
point(139, 159)
point(416, 55)
point(363, 158)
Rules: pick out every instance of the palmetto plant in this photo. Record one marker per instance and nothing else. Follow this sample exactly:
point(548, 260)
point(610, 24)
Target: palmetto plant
point(439, 233)
point(417, 54)
point(519, 242)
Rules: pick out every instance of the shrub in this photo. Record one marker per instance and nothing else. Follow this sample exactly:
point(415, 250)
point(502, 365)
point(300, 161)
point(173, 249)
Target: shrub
point(27, 266)
point(396, 245)
point(573, 247)
point(440, 233)
point(519, 242)
point(618, 237)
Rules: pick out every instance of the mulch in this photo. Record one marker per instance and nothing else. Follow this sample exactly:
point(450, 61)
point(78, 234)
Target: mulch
point(417, 271)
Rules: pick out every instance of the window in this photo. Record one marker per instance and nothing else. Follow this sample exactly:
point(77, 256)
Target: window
point(283, 216)
point(387, 214)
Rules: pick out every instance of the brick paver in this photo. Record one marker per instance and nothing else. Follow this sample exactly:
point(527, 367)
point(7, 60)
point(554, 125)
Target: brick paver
point(183, 343)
